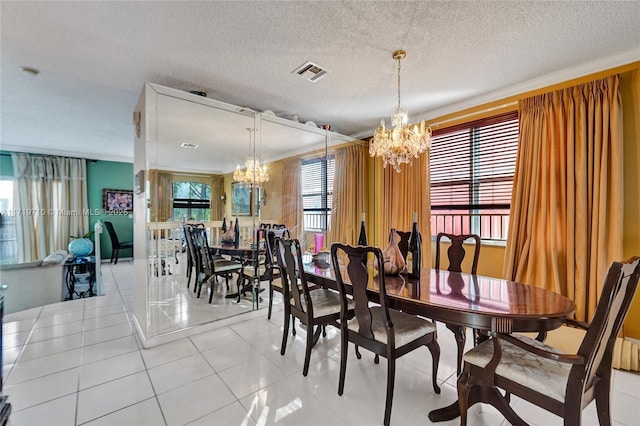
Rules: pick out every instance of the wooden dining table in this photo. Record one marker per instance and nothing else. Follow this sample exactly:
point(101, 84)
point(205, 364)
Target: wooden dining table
point(247, 254)
point(465, 300)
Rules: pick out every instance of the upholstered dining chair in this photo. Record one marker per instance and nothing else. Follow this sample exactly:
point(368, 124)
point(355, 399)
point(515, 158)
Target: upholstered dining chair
point(192, 254)
point(208, 267)
point(314, 308)
point(456, 254)
point(273, 267)
point(116, 244)
point(378, 328)
point(560, 383)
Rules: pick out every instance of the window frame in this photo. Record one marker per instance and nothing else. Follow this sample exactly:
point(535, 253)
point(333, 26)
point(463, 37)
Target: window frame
point(478, 213)
point(325, 193)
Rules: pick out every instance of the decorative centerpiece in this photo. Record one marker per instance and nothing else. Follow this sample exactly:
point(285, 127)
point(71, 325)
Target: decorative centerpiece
point(322, 259)
point(81, 246)
point(394, 262)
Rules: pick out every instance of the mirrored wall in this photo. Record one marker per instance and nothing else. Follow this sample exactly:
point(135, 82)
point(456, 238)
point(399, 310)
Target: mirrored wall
point(317, 184)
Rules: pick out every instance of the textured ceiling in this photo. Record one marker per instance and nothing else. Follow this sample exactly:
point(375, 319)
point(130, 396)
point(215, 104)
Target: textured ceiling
point(94, 58)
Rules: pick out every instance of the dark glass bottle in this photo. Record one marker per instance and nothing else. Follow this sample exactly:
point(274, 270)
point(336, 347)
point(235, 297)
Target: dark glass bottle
point(362, 238)
point(236, 233)
point(224, 225)
point(414, 254)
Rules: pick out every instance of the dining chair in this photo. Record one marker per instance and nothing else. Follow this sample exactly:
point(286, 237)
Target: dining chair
point(192, 253)
point(208, 267)
point(116, 244)
point(560, 383)
point(314, 308)
point(456, 254)
point(274, 270)
point(255, 268)
point(403, 244)
point(384, 331)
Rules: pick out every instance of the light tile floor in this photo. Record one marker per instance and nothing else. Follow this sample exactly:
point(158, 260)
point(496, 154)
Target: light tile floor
point(80, 362)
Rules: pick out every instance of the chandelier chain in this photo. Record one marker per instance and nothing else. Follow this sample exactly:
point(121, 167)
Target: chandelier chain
point(403, 142)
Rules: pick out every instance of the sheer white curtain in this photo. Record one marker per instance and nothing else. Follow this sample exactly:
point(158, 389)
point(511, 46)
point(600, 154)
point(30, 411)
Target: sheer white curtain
point(50, 194)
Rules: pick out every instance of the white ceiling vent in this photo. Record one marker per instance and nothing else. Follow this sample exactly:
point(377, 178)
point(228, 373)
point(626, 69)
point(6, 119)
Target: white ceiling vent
point(189, 145)
point(310, 71)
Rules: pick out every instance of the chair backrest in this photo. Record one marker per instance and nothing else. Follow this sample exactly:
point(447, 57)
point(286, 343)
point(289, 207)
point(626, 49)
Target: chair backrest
point(199, 240)
point(294, 284)
point(403, 244)
point(456, 252)
point(112, 234)
point(355, 274)
point(192, 252)
point(597, 346)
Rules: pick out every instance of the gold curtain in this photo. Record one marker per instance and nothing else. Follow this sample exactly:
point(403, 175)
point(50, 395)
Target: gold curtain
point(349, 194)
point(161, 198)
point(292, 209)
point(403, 194)
point(567, 202)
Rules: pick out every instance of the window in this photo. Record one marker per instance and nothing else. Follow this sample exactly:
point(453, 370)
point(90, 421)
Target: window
point(472, 169)
point(317, 192)
point(191, 200)
point(8, 241)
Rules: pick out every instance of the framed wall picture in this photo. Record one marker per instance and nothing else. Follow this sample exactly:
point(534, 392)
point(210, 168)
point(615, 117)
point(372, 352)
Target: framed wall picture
point(240, 199)
point(117, 200)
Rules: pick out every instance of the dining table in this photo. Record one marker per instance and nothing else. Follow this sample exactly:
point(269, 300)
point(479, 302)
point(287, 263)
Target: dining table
point(248, 255)
point(459, 299)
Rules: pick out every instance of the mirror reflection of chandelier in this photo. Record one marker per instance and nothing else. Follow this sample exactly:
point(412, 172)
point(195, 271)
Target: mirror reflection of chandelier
point(404, 142)
point(254, 173)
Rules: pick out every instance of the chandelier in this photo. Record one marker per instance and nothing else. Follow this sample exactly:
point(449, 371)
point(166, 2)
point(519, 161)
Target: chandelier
point(404, 142)
point(254, 173)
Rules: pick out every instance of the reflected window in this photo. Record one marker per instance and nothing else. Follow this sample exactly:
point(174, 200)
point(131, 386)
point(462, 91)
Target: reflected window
point(317, 192)
point(8, 241)
point(472, 168)
point(191, 201)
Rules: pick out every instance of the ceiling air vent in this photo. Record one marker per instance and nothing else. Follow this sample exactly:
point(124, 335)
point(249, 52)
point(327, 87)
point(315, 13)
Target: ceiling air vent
point(189, 145)
point(310, 71)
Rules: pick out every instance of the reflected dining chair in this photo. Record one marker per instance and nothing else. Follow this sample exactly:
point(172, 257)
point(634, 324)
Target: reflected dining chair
point(192, 254)
point(116, 244)
point(314, 308)
point(208, 267)
point(456, 254)
point(384, 331)
point(560, 383)
point(273, 268)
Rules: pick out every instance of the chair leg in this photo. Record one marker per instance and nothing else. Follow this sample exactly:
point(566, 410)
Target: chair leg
point(391, 377)
point(270, 300)
point(211, 282)
point(307, 353)
point(285, 332)
point(113, 252)
point(343, 360)
point(117, 255)
point(358, 354)
point(434, 348)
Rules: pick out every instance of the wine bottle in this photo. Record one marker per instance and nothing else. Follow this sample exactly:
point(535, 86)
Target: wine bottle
point(362, 238)
point(414, 254)
point(224, 225)
point(236, 232)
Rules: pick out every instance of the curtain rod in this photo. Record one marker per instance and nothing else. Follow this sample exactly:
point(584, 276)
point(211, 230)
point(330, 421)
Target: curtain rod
point(3, 154)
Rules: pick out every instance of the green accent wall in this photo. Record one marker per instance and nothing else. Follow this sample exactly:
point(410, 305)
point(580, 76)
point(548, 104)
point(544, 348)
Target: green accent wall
point(109, 175)
point(100, 175)
point(6, 165)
